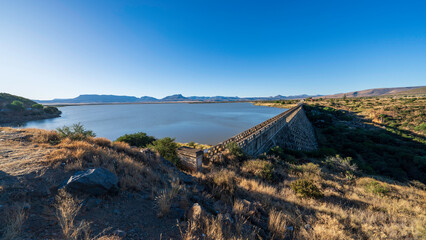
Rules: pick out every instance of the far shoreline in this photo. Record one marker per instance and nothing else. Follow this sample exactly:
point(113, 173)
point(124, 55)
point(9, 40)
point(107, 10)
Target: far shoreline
point(124, 103)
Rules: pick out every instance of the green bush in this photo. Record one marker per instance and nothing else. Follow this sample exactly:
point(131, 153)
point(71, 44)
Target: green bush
point(75, 132)
point(16, 106)
point(421, 128)
point(235, 149)
point(306, 189)
point(376, 188)
point(139, 139)
point(166, 147)
point(37, 106)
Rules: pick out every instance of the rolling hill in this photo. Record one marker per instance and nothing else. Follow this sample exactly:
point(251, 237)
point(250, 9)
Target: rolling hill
point(373, 92)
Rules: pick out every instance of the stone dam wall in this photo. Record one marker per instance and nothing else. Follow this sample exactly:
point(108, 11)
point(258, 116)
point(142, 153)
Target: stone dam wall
point(290, 129)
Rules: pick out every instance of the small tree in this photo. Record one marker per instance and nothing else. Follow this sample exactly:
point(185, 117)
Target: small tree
point(16, 106)
point(139, 139)
point(235, 149)
point(37, 106)
point(166, 147)
point(51, 110)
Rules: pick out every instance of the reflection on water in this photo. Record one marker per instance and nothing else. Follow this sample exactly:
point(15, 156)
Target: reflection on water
point(203, 123)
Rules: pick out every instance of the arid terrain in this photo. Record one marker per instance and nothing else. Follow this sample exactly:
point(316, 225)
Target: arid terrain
point(285, 194)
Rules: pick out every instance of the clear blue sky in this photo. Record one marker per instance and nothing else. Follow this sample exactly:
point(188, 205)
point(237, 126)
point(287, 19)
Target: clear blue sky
point(60, 49)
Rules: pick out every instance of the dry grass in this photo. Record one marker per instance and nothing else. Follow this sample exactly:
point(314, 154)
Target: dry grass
point(67, 209)
point(277, 224)
point(166, 196)
point(14, 218)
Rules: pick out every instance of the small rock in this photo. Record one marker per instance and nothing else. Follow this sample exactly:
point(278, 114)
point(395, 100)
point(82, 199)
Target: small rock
point(308, 226)
point(290, 228)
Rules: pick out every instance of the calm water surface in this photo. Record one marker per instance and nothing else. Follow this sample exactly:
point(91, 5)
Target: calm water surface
point(203, 123)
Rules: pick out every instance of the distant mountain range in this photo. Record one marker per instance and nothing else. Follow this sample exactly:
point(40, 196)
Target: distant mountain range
point(380, 92)
point(94, 98)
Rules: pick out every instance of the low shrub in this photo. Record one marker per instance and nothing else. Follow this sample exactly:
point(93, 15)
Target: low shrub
point(224, 181)
point(75, 132)
point(308, 170)
point(51, 110)
point(139, 139)
point(375, 187)
point(339, 163)
point(166, 147)
point(234, 149)
point(306, 189)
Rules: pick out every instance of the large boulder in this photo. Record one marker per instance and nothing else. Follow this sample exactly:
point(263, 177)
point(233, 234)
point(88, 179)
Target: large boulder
point(94, 181)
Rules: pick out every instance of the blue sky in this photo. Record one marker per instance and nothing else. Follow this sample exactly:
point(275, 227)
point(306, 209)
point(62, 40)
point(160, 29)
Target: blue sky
point(60, 49)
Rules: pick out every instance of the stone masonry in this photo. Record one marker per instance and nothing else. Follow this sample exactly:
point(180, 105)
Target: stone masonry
point(290, 129)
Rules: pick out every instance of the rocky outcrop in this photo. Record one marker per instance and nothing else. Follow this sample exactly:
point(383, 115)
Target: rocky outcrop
point(95, 181)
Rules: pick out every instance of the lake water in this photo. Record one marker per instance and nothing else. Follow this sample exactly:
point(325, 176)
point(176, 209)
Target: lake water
point(203, 123)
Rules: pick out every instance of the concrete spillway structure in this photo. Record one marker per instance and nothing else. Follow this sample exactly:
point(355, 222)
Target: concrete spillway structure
point(290, 129)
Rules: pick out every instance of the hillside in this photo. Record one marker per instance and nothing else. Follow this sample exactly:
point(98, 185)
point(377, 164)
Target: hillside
point(15, 110)
point(370, 92)
point(411, 92)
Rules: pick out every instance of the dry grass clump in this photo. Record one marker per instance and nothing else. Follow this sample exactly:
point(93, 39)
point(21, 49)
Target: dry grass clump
point(224, 182)
point(100, 141)
point(260, 168)
point(67, 208)
point(14, 217)
point(277, 224)
point(307, 170)
point(168, 195)
point(44, 136)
